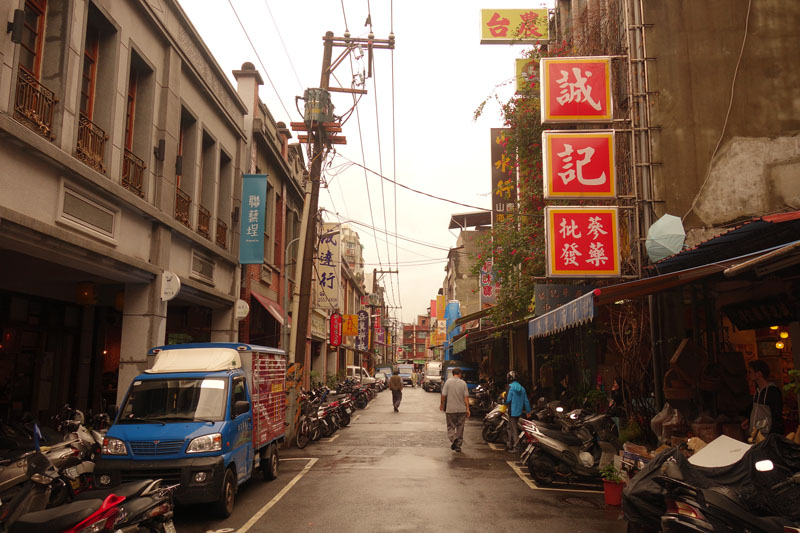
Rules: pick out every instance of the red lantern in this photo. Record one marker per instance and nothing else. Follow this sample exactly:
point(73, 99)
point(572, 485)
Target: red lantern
point(335, 334)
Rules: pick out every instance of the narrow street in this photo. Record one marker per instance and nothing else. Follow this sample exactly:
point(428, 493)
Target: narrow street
point(395, 472)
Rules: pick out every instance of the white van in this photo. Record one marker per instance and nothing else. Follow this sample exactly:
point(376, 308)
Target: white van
point(359, 374)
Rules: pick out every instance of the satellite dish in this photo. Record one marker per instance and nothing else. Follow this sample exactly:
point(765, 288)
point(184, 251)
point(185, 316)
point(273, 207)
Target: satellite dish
point(664, 238)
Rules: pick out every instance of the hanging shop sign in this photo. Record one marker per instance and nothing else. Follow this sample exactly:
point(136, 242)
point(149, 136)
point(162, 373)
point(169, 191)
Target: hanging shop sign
point(579, 164)
point(504, 182)
point(576, 89)
point(254, 201)
point(550, 296)
point(349, 325)
point(514, 26)
point(326, 265)
point(335, 336)
point(526, 72)
point(582, 242)
point(440, 305)
point(362, 339)
point(489, 285)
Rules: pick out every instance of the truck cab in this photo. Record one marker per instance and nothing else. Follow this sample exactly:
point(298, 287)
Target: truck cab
point(204, 416)
point(433, 376)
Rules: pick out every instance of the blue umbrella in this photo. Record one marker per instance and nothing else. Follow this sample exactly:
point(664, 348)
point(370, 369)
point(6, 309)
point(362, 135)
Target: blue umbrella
point(664, 238)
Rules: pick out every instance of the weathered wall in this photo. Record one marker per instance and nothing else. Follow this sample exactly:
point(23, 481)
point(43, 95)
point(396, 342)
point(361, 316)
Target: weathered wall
point(696, 46)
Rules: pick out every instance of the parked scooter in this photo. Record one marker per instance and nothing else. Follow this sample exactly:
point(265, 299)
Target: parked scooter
point(495, 423)
point(584, 444)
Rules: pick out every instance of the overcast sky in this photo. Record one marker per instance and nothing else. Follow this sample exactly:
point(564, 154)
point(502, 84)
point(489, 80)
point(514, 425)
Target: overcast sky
point(437, 76)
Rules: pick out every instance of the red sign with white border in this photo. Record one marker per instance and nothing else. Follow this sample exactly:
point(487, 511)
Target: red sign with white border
point(579, 164)
point(582, 242)
point(576, 89)
point(336, 329)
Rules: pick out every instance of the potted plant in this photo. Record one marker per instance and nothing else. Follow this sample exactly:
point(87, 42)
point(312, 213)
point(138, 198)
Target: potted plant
point(612, 484)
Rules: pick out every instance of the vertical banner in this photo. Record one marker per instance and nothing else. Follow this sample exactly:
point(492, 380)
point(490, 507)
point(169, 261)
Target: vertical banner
point(576, 89)
point(326, 264)
point(335, 337)
point(489, 285)
point(526, 69)
point(439, 306)
point(579, 164)
point(433, 309)
point(514, 26)
point(254, 205)
point(582, 242)
point(362, 339)
point(441, 331)
point(504, 183)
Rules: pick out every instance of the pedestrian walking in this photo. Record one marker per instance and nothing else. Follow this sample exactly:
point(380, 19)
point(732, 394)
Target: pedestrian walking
point(455, 404)
point(413, 379)
point(517, 401)
point(767, 412)
point(396, 386)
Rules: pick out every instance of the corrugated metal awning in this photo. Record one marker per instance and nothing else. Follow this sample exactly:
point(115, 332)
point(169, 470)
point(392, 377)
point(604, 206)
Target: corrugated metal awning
point(579, 311)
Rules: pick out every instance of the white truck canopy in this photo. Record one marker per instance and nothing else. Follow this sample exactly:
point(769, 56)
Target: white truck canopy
point(195, 360)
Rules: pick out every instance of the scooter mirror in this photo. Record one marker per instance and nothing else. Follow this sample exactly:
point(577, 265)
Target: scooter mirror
point(559, 409)
point(764, 465)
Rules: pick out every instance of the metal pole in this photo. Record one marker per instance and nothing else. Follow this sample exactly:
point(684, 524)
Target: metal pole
point(286, 336)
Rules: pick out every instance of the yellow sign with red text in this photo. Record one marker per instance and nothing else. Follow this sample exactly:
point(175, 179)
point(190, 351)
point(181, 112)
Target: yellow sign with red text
point(509, 26)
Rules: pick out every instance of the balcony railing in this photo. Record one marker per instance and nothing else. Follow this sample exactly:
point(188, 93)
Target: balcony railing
point(203, 221)
point(182, 203)
point(91, 147)
point(133, 173)
point(222, 234)
point(34, 104)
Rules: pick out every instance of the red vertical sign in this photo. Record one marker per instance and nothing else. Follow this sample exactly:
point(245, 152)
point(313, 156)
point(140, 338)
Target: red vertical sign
point(336, 329)
point(579, 164)
point(576, 89)
point(582, 242)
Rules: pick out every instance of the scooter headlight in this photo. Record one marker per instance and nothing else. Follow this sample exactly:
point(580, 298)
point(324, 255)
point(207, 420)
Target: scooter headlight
point(206, 443)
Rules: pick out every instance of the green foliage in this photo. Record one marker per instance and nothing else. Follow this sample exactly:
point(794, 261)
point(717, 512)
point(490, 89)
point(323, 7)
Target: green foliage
point(516, 245)
point(331, 379)
point(794, 385)
point(632, 432)
point(596, 399)
point(611, 473)
point(314, 376)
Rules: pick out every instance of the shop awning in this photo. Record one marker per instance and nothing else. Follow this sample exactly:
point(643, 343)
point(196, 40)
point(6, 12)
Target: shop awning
point(272, 307)
point(420, 361)
point(579, 311)
point(472, 316)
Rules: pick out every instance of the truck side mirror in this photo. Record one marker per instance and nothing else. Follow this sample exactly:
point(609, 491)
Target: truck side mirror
point(240, 408)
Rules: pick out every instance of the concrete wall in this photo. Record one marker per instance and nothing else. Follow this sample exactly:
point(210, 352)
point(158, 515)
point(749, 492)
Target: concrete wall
point(696, 46)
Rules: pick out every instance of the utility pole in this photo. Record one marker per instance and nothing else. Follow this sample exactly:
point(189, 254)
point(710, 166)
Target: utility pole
point(320, 128)
point(372, 306)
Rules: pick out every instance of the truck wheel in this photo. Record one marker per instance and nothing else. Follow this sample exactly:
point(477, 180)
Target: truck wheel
point(224, 505)
point(269, 464)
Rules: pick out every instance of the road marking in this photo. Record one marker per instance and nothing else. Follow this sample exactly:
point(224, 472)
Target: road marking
point(515, 467)
point(355, 418)
point(497, 447)
point(256, 517)
point(296, 458)
point(330, 439)
point(366, 407)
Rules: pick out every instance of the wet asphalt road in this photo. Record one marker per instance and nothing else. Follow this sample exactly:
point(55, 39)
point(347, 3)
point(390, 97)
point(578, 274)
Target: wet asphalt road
point(392, 471)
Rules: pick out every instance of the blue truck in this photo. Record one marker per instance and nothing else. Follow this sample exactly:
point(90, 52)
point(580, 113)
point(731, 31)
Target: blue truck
point(205, 416)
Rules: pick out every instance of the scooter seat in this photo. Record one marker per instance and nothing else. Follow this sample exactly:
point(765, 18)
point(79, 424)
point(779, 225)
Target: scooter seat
point(57, 518)
point(567, 438)
point(126, 490)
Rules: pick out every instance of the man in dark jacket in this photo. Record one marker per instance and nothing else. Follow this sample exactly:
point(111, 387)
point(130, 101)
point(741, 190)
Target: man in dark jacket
point(396, 386)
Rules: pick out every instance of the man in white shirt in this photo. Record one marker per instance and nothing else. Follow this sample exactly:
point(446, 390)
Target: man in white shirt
point(455, 404)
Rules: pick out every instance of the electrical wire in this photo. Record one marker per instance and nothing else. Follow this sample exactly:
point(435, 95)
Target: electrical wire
point(727, 114)
point(409, 239)
point(410, 188)
point(278, 31)
point(263, 68)
point(394, 153)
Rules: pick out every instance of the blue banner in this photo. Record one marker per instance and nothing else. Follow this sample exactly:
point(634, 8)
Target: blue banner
point(254, 202)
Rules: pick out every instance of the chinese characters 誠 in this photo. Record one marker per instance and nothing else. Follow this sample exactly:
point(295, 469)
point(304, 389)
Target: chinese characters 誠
point(579, 165)
point(506, 26)
point(576, 89)
point(582, 241)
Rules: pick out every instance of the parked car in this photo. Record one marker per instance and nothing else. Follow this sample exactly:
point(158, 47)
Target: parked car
point(381, 377)
point(359, 373)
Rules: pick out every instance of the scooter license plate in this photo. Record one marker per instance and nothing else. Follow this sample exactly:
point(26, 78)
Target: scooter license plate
point(169, 527)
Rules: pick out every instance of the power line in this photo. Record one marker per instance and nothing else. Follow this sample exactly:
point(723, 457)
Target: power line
point(410, 188)
point(278, 31)
point(266, 73)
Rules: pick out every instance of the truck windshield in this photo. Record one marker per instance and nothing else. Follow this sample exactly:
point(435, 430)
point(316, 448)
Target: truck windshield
point(175, 400)
point(433, 372)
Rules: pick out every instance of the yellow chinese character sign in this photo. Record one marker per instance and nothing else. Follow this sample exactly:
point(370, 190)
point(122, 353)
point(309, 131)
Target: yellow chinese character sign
point(508, 26)
point(349, 325)
point(527, 71)
point(504, 176)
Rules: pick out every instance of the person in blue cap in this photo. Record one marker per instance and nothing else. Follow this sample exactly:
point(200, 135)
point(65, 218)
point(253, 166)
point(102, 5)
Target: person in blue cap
point(517, 401)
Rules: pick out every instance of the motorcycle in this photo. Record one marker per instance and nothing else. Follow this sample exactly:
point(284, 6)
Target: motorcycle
point(757, 493)
point(483, 397)
point(495, 423)
point(584, 444)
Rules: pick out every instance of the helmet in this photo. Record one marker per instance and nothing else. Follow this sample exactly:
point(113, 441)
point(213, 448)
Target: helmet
point(511, 376)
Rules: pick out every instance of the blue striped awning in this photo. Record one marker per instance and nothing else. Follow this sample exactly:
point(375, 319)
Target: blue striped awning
point(579, 311)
